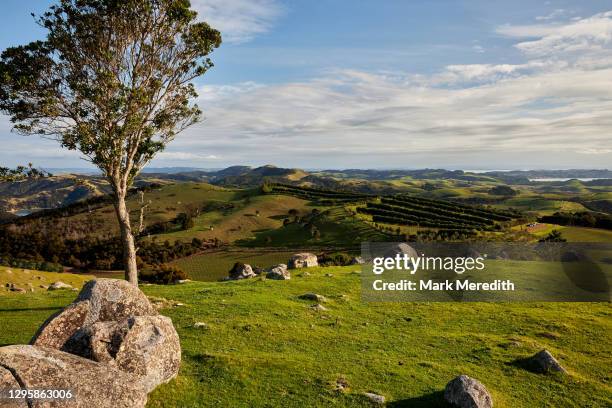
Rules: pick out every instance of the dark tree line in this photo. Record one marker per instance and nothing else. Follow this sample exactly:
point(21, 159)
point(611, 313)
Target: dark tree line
point(579, 219)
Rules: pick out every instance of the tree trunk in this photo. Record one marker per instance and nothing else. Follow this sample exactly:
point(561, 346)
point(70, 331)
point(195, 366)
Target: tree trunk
point(129, 248)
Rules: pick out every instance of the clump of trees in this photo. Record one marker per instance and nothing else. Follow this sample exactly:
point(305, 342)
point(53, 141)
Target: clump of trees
point(503, 190)
point(19, 173)
point(163, 274)
point(579, 219)
point(553, 236)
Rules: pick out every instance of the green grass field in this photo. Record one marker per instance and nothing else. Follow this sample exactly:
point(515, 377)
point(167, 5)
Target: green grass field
point(575, 234)
point(265, 347)
point(215, 265)
point(35, 280)
point(337, 228)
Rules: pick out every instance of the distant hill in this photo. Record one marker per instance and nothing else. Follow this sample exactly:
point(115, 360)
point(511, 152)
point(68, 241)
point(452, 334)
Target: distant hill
point(49, 192)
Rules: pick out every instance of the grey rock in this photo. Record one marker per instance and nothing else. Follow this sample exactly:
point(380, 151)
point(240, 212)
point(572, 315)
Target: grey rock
point(100, 300)
point(375, 398)
point(357, 261)
point(302, 260)
point(278, 272)
point(59, 285)
point(112, 322)
point(545, 362)
point(318, 308)
point(466, 392)
point(241, 271)
point(401, 249)
point(94, 385)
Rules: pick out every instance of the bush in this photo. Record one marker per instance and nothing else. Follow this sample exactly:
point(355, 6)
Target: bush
point(335, 259)
point(163, 274)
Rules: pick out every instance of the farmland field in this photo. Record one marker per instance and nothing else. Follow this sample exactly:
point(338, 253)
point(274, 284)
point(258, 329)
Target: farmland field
point(261, 338)
point(215, 265)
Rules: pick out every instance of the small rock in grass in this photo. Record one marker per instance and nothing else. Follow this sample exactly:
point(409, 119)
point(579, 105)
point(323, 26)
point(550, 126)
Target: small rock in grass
point(241, 271)
point(329, 275)
point(341, 384)
point(59, 285)
point(545, 362)
point(17, 289)
point(200, 325)
point(375, 398)
point(278, 272)
point(304, 274)
point(302, 260)
point(313, 296)
point(466, 392)
point(179, 304)
point(181, 281)
point(357, 261)
point(318, 307)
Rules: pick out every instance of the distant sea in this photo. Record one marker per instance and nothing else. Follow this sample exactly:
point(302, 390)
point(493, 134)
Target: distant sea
point(566, 179)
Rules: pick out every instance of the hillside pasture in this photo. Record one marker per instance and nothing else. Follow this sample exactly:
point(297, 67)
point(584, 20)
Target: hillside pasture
point(214, 265)
point(263, 346)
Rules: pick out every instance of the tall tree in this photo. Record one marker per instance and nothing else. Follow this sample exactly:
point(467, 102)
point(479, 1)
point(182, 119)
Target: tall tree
point(113, 80)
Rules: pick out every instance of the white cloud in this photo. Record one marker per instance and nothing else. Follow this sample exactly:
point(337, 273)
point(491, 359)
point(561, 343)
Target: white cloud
point(239, 20)
point(178, 155)
point(478, 48)
point(552, 108)
point(553, 15)
point(585, 35)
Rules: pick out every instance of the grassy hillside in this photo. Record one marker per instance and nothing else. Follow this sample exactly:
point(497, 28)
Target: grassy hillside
point(35, 280)
point(215, 265)
point(575, 234)
point(242, 218)
point(265, 347)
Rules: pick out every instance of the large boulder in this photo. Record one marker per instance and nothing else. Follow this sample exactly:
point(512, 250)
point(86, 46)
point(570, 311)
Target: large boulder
point(303, 260)
point(466, 392)
point(113, 322)
point(93, 385)
point(100, 300)
point(241, 271)
point(278, 272)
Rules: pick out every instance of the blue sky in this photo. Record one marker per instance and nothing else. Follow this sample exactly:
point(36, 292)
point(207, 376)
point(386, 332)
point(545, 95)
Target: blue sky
point(379, 84)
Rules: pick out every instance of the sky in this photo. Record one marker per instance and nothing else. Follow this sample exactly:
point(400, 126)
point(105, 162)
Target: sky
point(383, 84)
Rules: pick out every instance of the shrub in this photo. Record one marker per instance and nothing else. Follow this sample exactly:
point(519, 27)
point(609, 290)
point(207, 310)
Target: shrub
point(163, 274)
point(335, 259)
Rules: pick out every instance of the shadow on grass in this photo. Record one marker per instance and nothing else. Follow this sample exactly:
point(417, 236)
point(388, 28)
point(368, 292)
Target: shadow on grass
point(27, 309)
point(528, 364)
point(432, 400)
